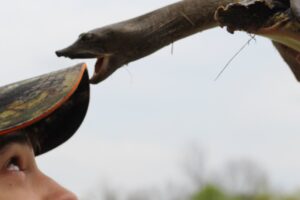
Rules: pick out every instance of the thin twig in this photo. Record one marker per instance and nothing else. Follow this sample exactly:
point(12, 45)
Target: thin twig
point(129, 73)
point(172, 48)
point(234, 56)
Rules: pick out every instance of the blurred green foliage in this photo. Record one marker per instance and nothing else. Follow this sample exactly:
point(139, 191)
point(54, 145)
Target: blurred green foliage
point(213, 192)
point(210, 192)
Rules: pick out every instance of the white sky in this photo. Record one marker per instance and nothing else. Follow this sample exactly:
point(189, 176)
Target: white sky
point(139, 122)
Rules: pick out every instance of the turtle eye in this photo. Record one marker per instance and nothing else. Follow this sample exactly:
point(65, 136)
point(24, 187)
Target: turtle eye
point(86, 36)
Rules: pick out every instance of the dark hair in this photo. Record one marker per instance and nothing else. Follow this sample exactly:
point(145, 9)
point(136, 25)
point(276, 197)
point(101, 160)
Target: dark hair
point(21, 136)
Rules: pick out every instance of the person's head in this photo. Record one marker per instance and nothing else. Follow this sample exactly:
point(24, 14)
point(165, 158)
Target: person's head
point(20, 178)
point(36, 116)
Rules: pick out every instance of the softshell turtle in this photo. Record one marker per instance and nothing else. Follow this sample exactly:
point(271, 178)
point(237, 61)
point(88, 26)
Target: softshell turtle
point(51, 106)
point(118, 44)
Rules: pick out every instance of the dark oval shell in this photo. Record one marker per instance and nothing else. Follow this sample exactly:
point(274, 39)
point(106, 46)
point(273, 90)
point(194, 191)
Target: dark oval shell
point(52, 105)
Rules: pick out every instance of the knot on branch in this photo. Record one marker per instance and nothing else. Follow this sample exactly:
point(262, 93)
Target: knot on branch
point(250, 15)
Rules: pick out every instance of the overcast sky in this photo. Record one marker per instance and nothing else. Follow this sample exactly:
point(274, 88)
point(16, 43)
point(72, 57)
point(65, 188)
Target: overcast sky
point(142, 119)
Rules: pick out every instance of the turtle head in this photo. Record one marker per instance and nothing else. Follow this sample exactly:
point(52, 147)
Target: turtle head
point(104, 44)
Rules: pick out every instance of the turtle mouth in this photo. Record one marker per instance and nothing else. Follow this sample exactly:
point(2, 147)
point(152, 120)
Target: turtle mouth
point(101, 66)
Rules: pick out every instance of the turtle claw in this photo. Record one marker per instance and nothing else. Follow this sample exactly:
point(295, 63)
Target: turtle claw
point(295, 6)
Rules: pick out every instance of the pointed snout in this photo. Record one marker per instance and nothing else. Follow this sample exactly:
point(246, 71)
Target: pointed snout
point(63, 52)
point(74, 52)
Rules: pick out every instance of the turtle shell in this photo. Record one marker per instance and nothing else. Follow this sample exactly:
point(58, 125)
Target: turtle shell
point(52, 105)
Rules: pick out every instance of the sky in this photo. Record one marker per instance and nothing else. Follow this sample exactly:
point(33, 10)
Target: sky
point(143, 118)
